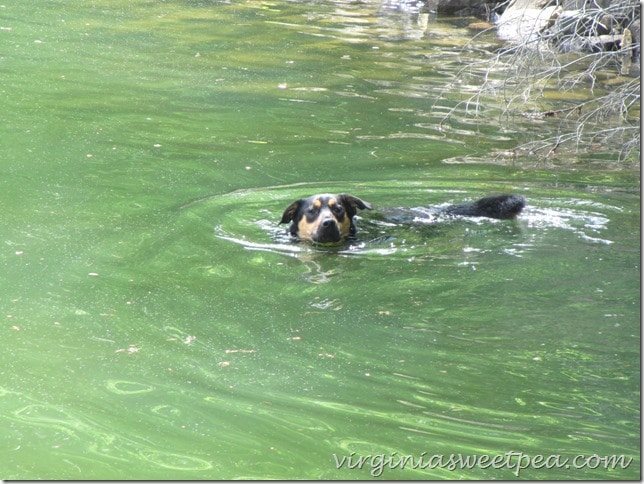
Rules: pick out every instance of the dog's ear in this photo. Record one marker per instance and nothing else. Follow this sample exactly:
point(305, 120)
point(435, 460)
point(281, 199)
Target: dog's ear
point(291, 210)
point(352, 204)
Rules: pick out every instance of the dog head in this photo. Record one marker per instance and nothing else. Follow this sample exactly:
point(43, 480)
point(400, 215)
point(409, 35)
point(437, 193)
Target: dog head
point(323, 218)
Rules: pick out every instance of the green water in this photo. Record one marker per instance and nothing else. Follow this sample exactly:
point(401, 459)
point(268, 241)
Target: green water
point(158, 324)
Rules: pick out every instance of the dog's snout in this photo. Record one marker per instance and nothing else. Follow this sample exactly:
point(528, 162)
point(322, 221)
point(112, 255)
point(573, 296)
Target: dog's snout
point(327, 222)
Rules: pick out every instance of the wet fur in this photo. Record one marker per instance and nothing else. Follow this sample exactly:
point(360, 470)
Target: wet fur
point(327, 218)
point(324, 218)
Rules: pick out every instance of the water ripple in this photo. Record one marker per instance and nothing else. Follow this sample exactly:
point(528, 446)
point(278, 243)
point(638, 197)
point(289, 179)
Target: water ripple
point(249, 218)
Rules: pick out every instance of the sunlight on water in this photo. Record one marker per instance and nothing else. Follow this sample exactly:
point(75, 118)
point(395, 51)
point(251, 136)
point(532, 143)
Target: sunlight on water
point(160, 324)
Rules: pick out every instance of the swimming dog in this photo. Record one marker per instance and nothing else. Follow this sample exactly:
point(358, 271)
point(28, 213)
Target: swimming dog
point(324, 218)
point(328, 218)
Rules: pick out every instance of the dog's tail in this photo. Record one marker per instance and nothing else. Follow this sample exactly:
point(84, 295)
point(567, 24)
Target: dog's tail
point(497, 206)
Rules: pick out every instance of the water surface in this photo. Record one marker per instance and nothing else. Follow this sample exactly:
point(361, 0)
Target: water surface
point(159, 324)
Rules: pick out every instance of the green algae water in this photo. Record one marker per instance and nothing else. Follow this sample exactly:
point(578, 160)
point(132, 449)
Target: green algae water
point(157, 323)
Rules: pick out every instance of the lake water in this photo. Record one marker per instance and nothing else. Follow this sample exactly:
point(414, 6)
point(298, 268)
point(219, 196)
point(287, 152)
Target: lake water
point(158, 324)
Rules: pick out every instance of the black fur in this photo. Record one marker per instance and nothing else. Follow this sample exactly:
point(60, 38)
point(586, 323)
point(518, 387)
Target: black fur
point(499, 206)
point(328, 218)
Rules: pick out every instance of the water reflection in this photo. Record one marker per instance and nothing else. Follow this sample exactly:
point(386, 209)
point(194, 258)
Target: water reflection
point(405, 20)
point(149, 338)
point(370, 20)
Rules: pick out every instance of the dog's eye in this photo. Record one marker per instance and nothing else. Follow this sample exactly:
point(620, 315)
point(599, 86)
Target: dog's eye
point(338, 209)
point(311, 209)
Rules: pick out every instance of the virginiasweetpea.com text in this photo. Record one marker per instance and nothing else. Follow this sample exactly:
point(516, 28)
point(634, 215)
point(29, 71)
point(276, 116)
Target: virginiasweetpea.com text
point(511, 460)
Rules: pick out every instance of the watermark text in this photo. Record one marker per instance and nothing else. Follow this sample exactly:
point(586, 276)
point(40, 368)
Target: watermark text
point(513, 461)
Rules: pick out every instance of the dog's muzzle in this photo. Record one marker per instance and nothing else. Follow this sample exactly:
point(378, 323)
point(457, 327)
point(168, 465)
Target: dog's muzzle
point(328, 231)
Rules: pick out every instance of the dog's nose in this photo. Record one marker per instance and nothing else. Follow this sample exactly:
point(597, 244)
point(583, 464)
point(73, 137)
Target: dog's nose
point(327, 222)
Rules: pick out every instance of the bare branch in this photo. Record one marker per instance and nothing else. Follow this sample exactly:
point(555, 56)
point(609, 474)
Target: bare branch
point(585, 53)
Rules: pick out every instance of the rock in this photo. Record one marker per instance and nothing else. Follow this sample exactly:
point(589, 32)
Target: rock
point(462, 7)
point(480, 25)
point(524, 20)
